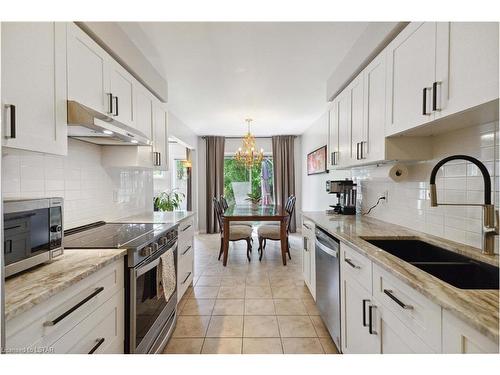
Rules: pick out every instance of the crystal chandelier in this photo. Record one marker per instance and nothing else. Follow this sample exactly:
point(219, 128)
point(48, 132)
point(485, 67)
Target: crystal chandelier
point(247, 155)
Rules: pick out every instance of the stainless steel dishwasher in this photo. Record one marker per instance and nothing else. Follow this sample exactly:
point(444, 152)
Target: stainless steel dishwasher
point(328, 282)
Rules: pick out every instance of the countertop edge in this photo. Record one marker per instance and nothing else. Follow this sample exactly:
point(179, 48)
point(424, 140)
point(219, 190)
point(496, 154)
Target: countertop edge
point(488, 331)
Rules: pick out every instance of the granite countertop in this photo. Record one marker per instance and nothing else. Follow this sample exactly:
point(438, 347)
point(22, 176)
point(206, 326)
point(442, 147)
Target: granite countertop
point(32, 287)
point(157, 217)
point(478, 308)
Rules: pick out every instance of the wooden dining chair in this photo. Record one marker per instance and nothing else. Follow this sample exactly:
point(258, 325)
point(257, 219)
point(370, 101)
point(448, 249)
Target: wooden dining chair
point(236, 232)
point(224, 205)
point(273, 233)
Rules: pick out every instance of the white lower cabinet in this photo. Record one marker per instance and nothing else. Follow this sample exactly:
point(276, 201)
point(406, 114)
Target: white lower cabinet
point(460, 338)
point(185, 257)
point(87, 317)
point(309, 256)
point(381, 314)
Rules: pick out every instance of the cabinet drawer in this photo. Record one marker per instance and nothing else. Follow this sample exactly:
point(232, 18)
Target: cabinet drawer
point(50, 320)
point(416, 312)
point(356, 265)
point(100, 332)
point(186, 230)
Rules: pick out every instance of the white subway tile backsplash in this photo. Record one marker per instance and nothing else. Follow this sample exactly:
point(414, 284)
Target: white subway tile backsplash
point(457, 182)
point(87, 187)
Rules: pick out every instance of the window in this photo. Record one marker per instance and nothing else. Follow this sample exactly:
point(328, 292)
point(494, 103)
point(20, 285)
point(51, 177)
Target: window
point(239, 181)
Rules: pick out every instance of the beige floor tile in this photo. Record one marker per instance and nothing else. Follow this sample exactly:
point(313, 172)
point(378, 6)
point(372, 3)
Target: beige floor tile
point(261, 345)
point(258, 292)
point(198, 306)
point(225, 326)
point(191, 326)
point(310, 345)
point(289, 291)
point(209, 281)
point(222, 346)
point(289, 307)
point(232, 281)
point(257, 280)
point(328, 345)
point(310, 306)
point(260, 326)
point(304, 292)
point(231, 292)
point(296, 326)
point(229, 307)
point(204, 292)
point(282, 281)
point(184, 346)
point(259, 307)
point(319, 326)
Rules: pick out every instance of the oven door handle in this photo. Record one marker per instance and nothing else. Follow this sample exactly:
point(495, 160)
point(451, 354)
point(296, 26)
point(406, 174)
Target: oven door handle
point(149, 266)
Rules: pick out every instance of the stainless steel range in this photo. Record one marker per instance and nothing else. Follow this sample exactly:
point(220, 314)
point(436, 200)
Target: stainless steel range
point(149, 318)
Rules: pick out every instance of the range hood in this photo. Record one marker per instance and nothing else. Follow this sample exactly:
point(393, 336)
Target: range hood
point(88, 125)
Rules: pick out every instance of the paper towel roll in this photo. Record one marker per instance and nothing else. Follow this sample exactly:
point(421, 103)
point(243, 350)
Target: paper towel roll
point(398, 172)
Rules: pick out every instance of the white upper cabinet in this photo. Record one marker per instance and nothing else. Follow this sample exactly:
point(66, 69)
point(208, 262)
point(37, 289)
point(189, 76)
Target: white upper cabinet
point(356, 92)
point(121, 86)
point(373, 145)
point(333, 135)
point(160, 137)
point(466, 65)
point(88, 72)
point(34, 86)
point(411, 60)
point(143, 110)
point(344, 124)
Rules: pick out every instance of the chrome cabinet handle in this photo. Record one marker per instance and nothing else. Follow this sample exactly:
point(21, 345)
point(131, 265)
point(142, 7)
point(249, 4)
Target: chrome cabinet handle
point(116, 105)
point(307, 226)
point(403, 305)
point(434, 96)
point(96, 346)
point(364, 312)
point(349, 262)
point(187, 277)
point(305, 244)
point(362, 148)
point(185, 251)
point(12, 109)
point(335, 157)
point(424, 102)
point(79, 304)
point(186, 228)
point(357, 151)
point(332, 158)
point(370, 320)
point(156, 159)
point(110, 103)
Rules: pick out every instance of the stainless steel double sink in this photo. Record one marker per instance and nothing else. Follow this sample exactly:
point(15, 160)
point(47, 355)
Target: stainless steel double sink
point(456, 269)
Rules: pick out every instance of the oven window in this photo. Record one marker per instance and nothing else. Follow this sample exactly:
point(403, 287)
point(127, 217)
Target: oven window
point(148, 305)
point(25, 234)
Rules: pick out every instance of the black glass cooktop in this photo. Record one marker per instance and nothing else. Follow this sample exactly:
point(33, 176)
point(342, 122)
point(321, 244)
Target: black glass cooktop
point(111, 236)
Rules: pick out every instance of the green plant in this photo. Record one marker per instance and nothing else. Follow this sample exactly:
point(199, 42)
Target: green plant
point(254, 197)
point(168, 200)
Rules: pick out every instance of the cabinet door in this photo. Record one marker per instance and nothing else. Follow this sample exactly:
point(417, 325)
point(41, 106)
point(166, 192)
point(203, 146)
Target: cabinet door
point(34, 86)
point(373, 146)
point(143, 111)
point(411, 62)
point(88, 71)
point(306, 260)
point(121, 86)
point(466, 65)
point(344, 125)
point(160, 140)
point(356, 337)
point(333, 134)
point(357, 125)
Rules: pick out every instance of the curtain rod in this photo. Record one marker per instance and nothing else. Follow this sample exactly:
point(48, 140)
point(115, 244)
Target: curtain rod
point(270, 137)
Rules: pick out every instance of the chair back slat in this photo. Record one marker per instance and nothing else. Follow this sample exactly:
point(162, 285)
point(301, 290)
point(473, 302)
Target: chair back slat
point(289, 208)
point(223, 202)
point(218, 212)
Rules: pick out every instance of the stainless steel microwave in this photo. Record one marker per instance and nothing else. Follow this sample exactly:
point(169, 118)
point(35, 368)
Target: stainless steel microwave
point(33, 232)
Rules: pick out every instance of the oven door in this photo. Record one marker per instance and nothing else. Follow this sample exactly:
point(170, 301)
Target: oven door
point(149, 314)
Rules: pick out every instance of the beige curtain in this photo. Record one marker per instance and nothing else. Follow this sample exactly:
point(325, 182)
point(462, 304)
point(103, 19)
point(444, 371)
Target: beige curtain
point(215, 178)
point(284, 171)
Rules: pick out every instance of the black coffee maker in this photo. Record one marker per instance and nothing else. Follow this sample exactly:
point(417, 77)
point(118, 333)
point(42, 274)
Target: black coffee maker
point(346, 196)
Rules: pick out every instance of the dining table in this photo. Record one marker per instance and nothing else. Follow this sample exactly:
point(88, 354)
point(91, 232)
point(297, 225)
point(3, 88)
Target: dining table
point(255, 213)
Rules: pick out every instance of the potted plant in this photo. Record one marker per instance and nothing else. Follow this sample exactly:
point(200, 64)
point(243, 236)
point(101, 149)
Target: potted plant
point(169, 200)
point(254, 198)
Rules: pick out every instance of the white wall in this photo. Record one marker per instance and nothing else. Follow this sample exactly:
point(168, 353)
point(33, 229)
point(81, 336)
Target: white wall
point(457, 182)
point(314, 195)
point(90, 191)
point(179, 130)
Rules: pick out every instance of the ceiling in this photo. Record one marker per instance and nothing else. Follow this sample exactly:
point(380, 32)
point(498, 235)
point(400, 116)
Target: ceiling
point(221, 73)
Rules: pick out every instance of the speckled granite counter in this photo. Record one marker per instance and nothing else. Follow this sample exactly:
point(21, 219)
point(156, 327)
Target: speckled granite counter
point(37, 285)
point(157, 217)
point(479, 308)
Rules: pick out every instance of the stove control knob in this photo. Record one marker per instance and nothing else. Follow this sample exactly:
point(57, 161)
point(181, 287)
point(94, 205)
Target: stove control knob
point(163, 241)
point(146, 251)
